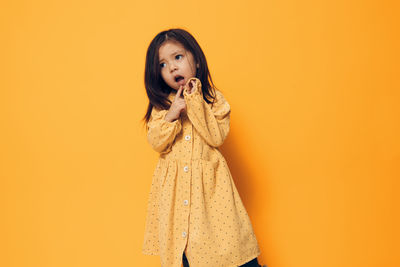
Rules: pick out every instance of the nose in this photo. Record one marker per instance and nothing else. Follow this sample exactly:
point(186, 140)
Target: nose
point(172, 67)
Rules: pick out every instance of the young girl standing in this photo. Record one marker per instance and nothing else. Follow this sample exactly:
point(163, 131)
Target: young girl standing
point(194, 214)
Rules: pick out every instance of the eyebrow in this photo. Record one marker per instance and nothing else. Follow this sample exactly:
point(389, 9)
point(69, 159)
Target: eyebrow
point(176, 52)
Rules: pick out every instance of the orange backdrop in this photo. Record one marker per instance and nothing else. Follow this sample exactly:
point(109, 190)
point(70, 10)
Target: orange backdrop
point(314, 144)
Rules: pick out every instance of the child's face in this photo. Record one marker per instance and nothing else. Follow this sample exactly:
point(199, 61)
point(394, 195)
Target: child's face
point(176, 61)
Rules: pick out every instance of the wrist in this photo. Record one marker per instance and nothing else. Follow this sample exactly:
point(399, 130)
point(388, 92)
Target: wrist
point(168, 117)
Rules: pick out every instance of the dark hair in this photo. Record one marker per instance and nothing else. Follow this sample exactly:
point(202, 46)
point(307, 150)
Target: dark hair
point(156, 88)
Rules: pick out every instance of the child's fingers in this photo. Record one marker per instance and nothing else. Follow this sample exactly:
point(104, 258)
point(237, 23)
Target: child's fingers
point(193, 84)
point(190, 86)
point(178, 94)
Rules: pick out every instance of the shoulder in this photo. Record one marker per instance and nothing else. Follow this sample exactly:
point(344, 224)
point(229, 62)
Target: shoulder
point(220, 102)
point(219, 96)
point(157, 112)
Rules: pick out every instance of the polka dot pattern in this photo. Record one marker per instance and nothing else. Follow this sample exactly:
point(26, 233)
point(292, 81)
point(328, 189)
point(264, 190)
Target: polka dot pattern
point(193, 205)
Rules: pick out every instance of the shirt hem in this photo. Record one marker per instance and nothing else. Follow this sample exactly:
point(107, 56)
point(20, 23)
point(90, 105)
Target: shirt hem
point(246, 260)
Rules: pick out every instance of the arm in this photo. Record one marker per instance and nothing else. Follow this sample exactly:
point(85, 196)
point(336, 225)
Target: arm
point(161, 133)
point(212, 123)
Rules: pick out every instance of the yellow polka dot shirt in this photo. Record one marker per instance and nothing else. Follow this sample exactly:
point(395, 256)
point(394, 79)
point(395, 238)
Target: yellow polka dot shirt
point(193, 205)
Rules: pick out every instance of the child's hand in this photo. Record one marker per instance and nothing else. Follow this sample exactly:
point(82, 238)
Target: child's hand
point(178, 105)
point(190, 86)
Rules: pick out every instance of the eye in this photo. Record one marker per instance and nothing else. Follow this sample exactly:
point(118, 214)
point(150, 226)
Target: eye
point(178, 56)
point(161, 65)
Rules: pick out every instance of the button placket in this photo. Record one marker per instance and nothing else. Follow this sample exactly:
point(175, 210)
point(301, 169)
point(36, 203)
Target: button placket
point(186, 201)
point(187, 164)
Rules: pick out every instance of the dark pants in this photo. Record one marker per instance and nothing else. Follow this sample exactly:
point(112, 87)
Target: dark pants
point(252, 263)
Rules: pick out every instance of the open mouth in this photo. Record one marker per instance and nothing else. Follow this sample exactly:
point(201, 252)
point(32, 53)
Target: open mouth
point(179, 78)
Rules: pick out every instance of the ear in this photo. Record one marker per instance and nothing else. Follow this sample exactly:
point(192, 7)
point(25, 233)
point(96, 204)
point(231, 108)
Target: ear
point(197, 65)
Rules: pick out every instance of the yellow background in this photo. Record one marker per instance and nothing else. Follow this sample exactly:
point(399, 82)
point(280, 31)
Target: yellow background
point(314, 144)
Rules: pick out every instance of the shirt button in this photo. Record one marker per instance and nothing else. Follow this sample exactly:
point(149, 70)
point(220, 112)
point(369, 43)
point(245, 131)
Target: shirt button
point(187, 137)
point(186, 168)
point(185, 202)
point(183, 233)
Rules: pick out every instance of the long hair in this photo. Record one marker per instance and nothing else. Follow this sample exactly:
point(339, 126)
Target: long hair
point(156, 88)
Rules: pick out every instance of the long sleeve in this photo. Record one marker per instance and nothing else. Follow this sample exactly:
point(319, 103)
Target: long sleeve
point(212, 123)
point(161, 133)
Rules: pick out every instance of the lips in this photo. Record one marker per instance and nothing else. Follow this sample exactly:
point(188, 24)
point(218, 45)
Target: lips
point(180, 80)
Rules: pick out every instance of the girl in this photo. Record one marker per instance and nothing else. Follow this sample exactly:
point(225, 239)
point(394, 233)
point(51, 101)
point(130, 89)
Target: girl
point(194, 213)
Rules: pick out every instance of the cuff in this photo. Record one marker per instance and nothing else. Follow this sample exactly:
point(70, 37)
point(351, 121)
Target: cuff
point(196, 91)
